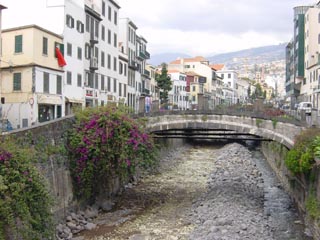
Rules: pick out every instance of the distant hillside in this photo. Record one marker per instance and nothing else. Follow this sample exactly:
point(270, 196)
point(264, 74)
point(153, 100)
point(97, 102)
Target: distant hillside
point(157, 59)
point(252, 55)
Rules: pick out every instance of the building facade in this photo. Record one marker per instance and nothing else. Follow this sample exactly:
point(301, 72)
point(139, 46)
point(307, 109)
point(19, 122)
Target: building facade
point(32, 81)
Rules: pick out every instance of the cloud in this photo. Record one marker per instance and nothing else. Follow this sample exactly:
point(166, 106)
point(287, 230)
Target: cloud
point(207, 26)
point(203, 43)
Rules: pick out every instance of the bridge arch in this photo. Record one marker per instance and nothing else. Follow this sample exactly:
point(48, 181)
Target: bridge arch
point(281, 132)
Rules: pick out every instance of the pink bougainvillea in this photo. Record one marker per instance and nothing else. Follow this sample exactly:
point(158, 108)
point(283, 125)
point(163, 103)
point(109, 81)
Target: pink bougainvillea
point(107, 141)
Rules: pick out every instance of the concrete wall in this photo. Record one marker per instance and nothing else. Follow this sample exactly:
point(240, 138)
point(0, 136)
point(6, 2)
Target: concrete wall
point(297, 186)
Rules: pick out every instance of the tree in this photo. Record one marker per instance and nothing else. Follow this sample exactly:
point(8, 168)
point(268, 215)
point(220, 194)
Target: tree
point(164, 83)
point(258, 93)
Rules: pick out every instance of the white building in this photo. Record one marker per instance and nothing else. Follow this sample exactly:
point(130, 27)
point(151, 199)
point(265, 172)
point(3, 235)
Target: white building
point(178, 96)
point(230, 81)
point(209, 85)
point(310, 86)
point(128, 38)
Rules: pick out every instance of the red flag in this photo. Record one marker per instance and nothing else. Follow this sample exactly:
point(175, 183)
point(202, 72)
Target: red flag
point(61, 61)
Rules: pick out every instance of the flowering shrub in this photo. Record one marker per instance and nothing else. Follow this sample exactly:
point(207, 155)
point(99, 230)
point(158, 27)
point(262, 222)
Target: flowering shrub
point(24, 199)
point(105, 141)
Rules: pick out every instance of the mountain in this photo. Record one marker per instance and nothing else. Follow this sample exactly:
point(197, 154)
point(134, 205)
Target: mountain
point(252, 55)
point(157, 59)
point(246, 56)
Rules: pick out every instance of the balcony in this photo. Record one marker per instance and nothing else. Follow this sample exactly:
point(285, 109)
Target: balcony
point(143, 55)
point(94, 64)
point(93, 39)
point(147, 55)
point(146, 73)
point(133, 65)
point(145, 92)
point(316, 89)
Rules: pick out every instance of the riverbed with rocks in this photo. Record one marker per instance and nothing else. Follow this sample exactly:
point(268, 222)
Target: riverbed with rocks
point(202, 192)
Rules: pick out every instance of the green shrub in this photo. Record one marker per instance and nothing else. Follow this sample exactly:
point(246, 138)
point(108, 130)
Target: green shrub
point(24, 199)
point(300, 159)
point(313, 206)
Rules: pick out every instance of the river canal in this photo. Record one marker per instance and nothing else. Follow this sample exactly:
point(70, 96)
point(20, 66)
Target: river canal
point(204, 192)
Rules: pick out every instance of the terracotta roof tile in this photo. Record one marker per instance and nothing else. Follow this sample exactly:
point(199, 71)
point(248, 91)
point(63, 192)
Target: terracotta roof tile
point(217, 66)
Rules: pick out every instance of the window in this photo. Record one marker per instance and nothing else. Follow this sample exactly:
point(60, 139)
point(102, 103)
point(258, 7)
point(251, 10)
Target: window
point(96, 28)
point(80, 27)
point(96, 52)
point(69, 49)
point(102, 59)
point(222, 75)
point(45, 46)
point(87, 51)
point(125, 69)
point(115, 40)
point(87, 23)
point(318, 38)
point(60, 46)
point(18, 44)
point(120, 89)
point(46, 82)
point(115, 85)
point(69, 21)
point(229, 75)
point(109, 84)
point(59, 84)
point(17, 82)
point(193, 88)
point(69, 78)
point(109, 13)
point(109, 36)
point(115, 17)
point(103, 8)
point(120, 68)
point(79, 53)
point(79, 80)
point(109, 61)
point(103, 33)
point(96, 81)
point(102, 82)
point(115, 61)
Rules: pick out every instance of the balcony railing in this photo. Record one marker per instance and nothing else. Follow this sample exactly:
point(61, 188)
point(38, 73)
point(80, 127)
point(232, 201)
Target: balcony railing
point(147, 54)
point(145, 91)
point(146, 73)
point(144, 55)
point(133, 65)
point(94, 63)
point(316, 89)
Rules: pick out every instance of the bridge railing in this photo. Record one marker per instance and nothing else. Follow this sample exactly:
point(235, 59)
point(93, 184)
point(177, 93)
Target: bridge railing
point(266, 115)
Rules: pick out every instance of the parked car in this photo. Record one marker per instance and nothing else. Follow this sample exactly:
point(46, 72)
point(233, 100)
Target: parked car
point(306, 107)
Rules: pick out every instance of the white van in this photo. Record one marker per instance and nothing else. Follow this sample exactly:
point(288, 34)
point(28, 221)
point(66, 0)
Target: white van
point(305, 106)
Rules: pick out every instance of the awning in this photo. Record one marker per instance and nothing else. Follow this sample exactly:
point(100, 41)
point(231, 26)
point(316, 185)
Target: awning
point(49, 99)
point(74, 100)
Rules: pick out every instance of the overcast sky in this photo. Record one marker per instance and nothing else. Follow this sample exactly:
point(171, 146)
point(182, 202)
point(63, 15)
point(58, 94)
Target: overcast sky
point(194, 27)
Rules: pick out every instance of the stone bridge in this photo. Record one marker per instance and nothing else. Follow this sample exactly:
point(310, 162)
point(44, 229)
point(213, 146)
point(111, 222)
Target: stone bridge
point(270, 129)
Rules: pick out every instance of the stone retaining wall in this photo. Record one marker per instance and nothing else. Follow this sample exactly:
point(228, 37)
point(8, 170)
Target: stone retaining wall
point(297, 186)
point(56, 167)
